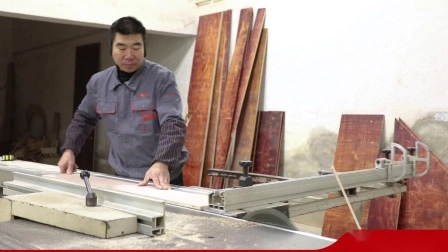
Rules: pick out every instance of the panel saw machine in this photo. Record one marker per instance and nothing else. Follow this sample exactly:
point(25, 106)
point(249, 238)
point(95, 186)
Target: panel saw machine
point(252, 215)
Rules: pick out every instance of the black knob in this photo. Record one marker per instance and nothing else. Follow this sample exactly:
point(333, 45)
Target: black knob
point(84, 174)
point(411, 150)
point(245, 180)
point(387, 153)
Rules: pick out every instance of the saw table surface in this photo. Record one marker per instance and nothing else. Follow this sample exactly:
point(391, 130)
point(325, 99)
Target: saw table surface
point(185, 229)
point(186, 226)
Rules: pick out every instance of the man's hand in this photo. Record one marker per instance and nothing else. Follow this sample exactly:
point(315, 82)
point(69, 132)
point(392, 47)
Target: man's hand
point(67, 162)
point(159, 174)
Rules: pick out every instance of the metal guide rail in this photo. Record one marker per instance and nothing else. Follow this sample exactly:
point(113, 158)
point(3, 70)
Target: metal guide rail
point(384, 179)
point(150, 212)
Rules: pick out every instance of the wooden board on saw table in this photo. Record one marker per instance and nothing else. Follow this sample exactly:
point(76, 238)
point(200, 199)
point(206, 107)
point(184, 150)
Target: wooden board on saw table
point(222, 69)
point(69, 212)
point(384, 211)
point(358, 145)
point(173, 196)
point(424, 205)
point(245, 137)
point(200, 95)
point(230, 93)
point(269, 142)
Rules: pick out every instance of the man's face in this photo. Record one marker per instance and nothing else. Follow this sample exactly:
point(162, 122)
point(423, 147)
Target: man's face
point(128, 51)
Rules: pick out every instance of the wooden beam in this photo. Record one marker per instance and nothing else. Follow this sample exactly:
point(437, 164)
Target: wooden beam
point(69, 212)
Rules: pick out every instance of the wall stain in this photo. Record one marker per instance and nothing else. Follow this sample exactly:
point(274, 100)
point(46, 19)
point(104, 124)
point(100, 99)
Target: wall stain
point(433, 132)
point(317, 154)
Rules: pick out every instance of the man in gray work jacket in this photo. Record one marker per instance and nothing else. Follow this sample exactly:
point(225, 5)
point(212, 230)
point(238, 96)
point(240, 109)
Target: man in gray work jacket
point(140, 104)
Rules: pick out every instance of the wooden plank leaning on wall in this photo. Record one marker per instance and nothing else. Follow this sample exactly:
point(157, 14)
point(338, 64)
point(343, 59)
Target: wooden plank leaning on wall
point(200, 94)
point(245, 137)
point(424, 204)
point(357, 148)
point(222, 69)
point(230, 93)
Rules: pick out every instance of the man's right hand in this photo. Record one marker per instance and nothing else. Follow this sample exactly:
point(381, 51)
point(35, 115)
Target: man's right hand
point(67, 162)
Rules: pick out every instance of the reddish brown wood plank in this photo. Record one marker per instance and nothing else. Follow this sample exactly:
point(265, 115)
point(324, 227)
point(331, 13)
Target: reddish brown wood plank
point(220, 80)
point(244, 144)
point(383, 212)
point(424, 205)
point(269, 142)
point(357, 148)
point(200, 94)
point(230, 93)
point(246, 73)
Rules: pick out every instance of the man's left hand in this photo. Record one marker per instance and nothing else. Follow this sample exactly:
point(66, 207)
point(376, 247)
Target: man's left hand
point(159, 174)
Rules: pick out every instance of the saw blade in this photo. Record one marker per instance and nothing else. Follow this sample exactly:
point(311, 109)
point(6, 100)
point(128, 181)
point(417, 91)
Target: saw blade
point(270, 217)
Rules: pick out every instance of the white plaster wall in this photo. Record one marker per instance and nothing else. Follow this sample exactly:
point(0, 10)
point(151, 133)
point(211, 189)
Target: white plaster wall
point(175, 53)
point(167, 16)
point(5, 58)
point(326, 58)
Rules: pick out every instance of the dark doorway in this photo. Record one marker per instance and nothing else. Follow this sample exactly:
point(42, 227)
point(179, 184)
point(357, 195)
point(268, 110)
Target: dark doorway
point(87, 63)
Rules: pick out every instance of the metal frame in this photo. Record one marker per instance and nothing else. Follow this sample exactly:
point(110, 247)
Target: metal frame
point(323, 204)
point(385, 172)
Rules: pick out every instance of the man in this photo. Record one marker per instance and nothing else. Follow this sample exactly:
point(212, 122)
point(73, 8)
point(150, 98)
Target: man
point(140, 104)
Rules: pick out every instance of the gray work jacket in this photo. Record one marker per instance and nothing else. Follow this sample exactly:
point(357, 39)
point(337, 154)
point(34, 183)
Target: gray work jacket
point(143, 119)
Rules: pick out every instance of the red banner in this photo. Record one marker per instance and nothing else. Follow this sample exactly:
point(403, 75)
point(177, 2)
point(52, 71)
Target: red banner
point(391, 240)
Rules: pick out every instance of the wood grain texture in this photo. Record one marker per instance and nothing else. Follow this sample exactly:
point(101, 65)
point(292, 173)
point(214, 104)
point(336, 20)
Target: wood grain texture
point(384, 211)
point(230, 93)
point(245, 137)
point(357, 148)
point(222, 69)
point(246, 73)
point(69, 212)
point(200, 95)
point(424, 205)
point(269, 142)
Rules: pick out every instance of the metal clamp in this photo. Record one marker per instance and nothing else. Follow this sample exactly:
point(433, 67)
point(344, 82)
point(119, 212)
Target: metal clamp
point(403, 162)
point(417, 158)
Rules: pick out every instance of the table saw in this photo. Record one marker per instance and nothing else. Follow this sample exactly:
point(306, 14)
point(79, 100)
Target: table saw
point(201, 218)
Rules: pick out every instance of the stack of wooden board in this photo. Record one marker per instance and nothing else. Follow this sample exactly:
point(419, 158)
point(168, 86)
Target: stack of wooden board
point(224, 95)
point(422, 206)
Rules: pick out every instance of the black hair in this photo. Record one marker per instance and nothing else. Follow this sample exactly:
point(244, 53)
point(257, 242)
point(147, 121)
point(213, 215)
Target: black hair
point(127, 26)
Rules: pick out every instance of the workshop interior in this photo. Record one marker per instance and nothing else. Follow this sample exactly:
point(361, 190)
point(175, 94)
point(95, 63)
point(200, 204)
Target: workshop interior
point(304, 121)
